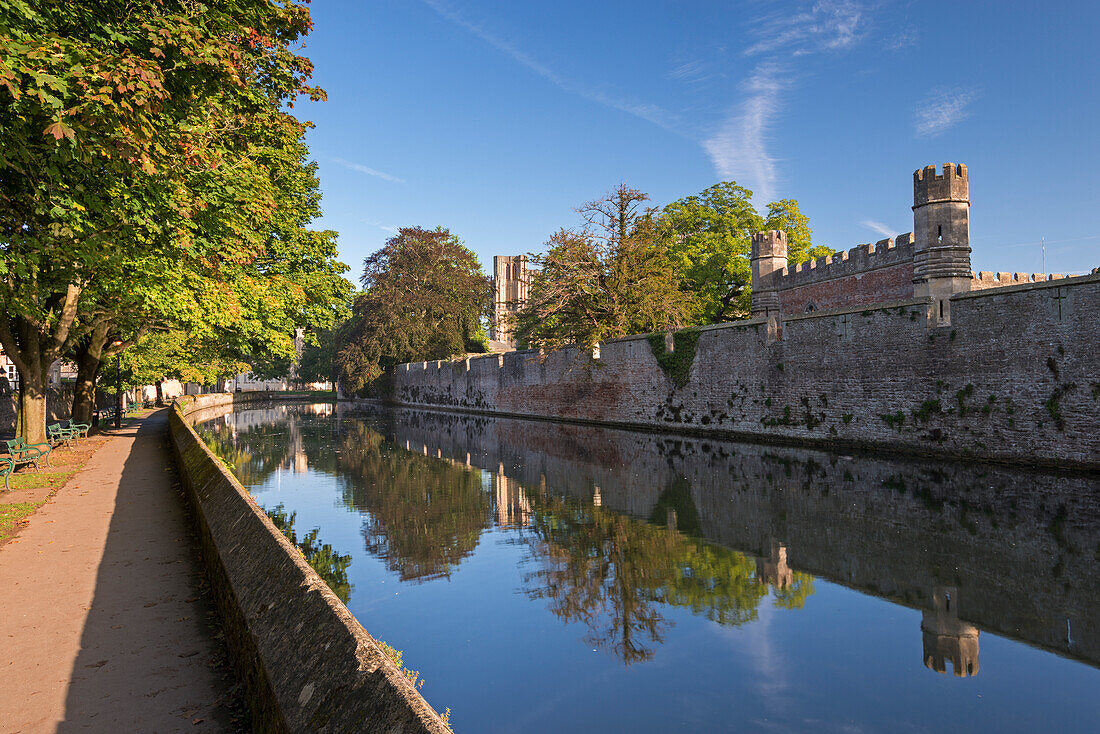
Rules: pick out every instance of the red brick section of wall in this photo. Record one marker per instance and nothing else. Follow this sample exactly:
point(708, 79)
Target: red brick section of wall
point(894, 283)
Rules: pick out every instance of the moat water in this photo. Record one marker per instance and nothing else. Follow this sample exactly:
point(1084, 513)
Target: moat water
point(547, 577)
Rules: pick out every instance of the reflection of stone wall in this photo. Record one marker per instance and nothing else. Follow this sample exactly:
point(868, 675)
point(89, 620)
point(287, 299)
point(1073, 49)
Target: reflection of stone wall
point(1019, 548)
point(1015, 376)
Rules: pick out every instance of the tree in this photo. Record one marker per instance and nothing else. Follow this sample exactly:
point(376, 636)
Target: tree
point(425, 297)
point(709, 238)
point(144, 172)
point(318, 362)
point(785, 215)
point(608, 279)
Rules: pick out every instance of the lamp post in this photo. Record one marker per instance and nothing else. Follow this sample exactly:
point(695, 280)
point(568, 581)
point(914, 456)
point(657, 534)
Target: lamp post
point(118, 385)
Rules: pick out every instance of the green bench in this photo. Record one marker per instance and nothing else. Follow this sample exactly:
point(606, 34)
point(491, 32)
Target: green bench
point(80, 428)
point(59, 434)
point(22, 452)
point(7, 466)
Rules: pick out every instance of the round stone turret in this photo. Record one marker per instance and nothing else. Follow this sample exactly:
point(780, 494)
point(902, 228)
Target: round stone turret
point(941, 229)
point(769, 256)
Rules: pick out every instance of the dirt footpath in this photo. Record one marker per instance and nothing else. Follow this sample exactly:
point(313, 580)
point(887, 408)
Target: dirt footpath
point(105, 620)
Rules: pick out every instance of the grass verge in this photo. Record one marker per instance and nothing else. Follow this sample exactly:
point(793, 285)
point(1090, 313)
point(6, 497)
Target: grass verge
point(30, 489)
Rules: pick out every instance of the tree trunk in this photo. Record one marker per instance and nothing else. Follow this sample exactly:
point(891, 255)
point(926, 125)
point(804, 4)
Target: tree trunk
point(31, 421)
point(160, 393)
point(33, 345)
point(89, 359)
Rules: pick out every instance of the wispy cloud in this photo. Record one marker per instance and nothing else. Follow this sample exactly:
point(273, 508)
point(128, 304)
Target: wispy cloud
point(739, 147)
point(824, 25)
point(943, 108)
point(649, 112)
point(883, 229)
point(379, 225)
point(365, 169)
point(694, 71)
point(902, 40)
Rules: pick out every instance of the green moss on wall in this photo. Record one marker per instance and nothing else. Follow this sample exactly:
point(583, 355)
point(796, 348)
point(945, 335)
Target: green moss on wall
point(677, 363)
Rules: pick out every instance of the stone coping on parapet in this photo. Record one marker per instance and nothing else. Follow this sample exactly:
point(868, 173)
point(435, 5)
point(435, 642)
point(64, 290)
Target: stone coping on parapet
point(709, 327)
point(1031, 285)
point(307, 663)
point(408, 366)
point(866, 308)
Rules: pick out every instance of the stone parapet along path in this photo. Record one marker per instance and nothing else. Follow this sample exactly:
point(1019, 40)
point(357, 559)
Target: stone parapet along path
point(105, 620)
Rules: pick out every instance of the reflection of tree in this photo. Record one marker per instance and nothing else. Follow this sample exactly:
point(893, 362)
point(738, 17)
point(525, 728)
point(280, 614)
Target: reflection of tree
point(255, 443)
point(794, 595)
point(423, 515)
point(610, 572)
point(329, 565)
point(676, 508)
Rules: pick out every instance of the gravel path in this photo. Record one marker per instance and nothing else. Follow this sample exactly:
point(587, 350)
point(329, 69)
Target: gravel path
point(105, 620)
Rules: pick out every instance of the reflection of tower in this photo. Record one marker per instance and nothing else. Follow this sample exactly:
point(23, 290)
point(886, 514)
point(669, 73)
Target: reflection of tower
point(774, 569)
point(512, 506)
point(597, 496)
point(948, 638)
point(296, 454)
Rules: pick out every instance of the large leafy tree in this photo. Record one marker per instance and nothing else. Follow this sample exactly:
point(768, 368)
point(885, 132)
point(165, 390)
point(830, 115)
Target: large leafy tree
point(424, 298)
point(152, 174)
point(709, 238)
point(609, 278)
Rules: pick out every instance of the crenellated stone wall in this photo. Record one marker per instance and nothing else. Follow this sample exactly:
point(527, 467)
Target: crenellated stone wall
point(1011, 375)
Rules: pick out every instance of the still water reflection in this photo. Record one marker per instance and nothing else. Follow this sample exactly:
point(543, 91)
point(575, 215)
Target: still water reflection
point(551, 577)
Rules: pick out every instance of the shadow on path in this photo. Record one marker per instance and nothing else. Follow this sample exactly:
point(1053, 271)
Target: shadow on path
point(151, 657)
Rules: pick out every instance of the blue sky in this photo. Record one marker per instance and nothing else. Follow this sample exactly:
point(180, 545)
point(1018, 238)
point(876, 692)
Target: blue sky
point(495, 118)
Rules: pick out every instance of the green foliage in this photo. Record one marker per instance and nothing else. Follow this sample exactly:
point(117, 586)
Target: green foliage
point(894, 420)
point(318, 360)
point(152, 175)
point(329, 565)
point(785, 215)
point(424, 299)
point(610, 278)
point(927, 409)
point(677, 363)
point(709, 239)
point(961, 397)
point(396, 657)
point(1053, 404)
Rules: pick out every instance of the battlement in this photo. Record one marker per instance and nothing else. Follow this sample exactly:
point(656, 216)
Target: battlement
point(951, 185)
point(985, 279)
point(772, 243)
point(859, 259)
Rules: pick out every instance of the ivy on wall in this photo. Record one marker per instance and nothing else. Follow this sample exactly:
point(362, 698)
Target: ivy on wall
point(677, 363)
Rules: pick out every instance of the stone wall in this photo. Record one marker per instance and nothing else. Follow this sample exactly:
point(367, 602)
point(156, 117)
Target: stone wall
point(59, 401)
point(1011, 374)
point(307, 662)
